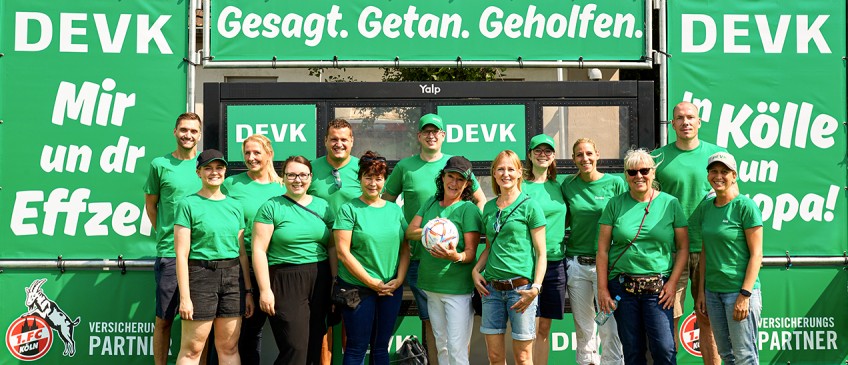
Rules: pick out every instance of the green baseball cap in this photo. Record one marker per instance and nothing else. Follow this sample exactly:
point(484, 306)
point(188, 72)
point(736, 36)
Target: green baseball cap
point(431, 119)
point(542, 139)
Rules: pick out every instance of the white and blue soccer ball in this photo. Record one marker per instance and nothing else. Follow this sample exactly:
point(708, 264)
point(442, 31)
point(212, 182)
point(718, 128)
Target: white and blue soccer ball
point(439, 231)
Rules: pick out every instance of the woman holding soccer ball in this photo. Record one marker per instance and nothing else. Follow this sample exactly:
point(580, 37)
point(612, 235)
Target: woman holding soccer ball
point(445, 273)
point(373, 259)
point(541, 185)
point(292, 246)
point(514, 260)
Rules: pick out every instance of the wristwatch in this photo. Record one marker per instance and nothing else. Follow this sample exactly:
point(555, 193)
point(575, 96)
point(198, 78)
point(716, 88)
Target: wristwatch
point(249, 291)
point(745, 293)
point(538, 287)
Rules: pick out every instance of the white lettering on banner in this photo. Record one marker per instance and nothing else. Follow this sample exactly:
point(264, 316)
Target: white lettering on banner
point(72, 29)
point(114, 158)
point(798, 340)
point(428, 25)
point(470, 132)
point(120, 345)
point(786, 207)
point(81, 106)
point(765, 129)
point(736, 37)
point(231, 22)
point(127, 218)
point(560, 341)
point(430, 89)
point(758, 171)
point(494, 22)
point(278, 132)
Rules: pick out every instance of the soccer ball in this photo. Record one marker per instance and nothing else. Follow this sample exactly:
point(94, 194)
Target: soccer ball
point(439, 231)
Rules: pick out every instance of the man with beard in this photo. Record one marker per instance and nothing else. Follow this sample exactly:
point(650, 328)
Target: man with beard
point(171, 178)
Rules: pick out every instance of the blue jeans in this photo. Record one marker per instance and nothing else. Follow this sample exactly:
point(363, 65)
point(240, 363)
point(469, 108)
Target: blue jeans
point(372, 322)
point(419, 295)
point(643, 321)
point(736, 340)
point(496, 312)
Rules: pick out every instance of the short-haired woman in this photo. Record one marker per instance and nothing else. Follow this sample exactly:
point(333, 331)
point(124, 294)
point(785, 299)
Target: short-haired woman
point(639, 232)
point(373, 259)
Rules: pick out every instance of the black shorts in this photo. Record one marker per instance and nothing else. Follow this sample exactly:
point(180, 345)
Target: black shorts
point(216, 293)
point(552, 298)
point(167, 292)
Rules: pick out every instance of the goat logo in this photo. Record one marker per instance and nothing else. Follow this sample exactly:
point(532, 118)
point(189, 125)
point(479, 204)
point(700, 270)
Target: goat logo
point(30, 336)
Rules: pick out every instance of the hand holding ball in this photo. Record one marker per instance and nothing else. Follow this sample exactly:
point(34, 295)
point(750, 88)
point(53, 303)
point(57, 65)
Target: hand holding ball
point(439, 231)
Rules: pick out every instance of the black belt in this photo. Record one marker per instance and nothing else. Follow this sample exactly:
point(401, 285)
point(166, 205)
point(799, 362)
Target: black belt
point(509, 284)
point(586, 260)
point(214, 264)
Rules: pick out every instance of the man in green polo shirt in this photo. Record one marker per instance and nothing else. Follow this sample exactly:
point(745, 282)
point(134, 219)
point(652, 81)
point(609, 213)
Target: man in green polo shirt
point(334, 176)
point(680, 173)
point(415, 178)
point(171, 178)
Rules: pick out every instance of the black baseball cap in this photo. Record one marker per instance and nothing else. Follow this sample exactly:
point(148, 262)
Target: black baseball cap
point(208, 156)
point(460, 165)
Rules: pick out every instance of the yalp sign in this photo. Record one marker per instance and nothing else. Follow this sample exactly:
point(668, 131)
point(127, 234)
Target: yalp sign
point(428, 30)
point(290, 127)
point(479, 132)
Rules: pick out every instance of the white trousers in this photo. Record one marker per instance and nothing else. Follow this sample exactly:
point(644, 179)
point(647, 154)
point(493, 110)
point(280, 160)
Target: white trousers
point(452, 318)
point(583, 293)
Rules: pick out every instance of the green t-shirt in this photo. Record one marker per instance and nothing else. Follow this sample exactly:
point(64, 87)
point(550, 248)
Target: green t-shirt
point(416, 180)
point(586, 202)
point(299, 236)
point(549, 196)
point(651, 252)
point(172, 179)
point(727, 253)
point(324, 184)
point(376, 235)
point(683, 174)
point(251, 195)
point(440, 275)
point(511, 253)
point(214, 224)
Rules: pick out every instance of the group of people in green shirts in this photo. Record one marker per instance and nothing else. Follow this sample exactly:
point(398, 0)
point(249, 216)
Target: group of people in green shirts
point(328, 233)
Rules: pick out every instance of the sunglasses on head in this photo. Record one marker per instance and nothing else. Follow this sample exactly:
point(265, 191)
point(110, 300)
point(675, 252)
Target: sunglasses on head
point(644, 171)
point(369, 159)
point(337, 179)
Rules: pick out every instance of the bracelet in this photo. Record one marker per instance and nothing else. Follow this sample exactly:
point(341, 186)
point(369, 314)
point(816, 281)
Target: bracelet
point(745, 293)
point(248, 291)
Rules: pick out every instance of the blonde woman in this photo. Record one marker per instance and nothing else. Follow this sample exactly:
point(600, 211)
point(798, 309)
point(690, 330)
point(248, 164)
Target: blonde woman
point(514, 261)
point(251, 189)
point(639, 231)
point(587, 193)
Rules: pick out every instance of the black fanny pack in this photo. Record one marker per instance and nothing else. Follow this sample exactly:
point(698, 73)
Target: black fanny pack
point(641, 284)
point(349, 295)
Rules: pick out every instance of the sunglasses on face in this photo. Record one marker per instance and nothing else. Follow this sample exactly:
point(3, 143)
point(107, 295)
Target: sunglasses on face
point(337, 179)
point(644, 171)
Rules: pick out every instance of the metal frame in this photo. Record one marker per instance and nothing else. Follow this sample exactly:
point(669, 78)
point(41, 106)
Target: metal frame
point(207, 59)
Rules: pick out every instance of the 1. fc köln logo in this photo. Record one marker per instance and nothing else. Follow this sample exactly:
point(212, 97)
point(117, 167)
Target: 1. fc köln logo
point(30, 336)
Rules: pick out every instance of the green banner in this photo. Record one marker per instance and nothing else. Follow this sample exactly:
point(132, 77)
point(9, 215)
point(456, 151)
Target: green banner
point(88, 317)
point(89, 92)
point(290, 127)
point(770, 80)
point(479, 132)
point(427, 30)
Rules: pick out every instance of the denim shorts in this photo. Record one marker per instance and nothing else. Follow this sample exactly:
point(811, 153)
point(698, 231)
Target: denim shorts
point(167, 291)
point(496, 312)
point(420, 295)
point(216, 293)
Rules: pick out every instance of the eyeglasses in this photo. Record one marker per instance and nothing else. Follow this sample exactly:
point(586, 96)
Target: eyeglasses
point(371, 159)
point(540, 151)
point(302, 176)
point(644, 171)
point(430, 132)
point(337, 179)
point(497, 226)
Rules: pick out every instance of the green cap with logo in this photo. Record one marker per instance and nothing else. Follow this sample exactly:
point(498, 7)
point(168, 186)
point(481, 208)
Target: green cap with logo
point(431, 119)
point(542, 139)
